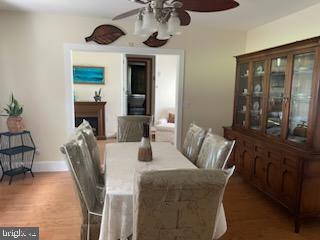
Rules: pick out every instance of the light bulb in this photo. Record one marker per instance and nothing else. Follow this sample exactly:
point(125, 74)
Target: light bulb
point(138, 26)
point(163, 31)
point(149, 24)
point(174, 24)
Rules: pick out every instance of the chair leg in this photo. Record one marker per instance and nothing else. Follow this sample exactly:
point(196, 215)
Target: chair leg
point(10, 181)
point(88, 227)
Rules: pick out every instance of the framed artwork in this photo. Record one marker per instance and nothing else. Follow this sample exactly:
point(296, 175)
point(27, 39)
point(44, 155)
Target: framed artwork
point(88, 75)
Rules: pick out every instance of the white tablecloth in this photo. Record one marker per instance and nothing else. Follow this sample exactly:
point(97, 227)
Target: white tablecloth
point(121, 164)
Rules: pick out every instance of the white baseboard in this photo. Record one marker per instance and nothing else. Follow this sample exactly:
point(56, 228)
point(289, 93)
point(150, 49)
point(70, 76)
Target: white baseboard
point(50, 166)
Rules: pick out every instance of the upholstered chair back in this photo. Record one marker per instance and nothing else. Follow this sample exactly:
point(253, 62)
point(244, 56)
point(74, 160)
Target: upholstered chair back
point(193, 142)
point(81, 166)
point(178, 204)
point(93, 148)
point(215, 152)
point(130, 128)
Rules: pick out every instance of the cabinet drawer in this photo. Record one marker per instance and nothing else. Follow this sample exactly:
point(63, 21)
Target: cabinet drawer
point(247, 144)
point(275, 156)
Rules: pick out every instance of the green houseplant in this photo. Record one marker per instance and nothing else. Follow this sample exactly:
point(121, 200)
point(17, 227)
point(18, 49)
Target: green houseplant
point(97, 95)
point(14, 121)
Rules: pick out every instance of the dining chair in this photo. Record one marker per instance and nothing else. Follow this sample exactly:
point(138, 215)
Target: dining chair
point(215, 152)
point(178, 204)
point(92, 144)
point(91, 197)
point(130, 128)
point(193, 142)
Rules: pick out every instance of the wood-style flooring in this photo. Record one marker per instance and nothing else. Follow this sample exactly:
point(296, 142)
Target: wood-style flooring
point(50, 202)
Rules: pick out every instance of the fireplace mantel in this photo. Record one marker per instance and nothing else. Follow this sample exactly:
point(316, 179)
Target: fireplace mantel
point(94, 113)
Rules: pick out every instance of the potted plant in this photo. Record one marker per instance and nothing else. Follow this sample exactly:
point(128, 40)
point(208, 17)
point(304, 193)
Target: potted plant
point(14, 121)
point(97, 95)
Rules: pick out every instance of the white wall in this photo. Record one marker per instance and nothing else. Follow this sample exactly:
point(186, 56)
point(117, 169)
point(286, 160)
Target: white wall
point(165, 89)
point(32, 65)
point(111, 90)
point(298, 26)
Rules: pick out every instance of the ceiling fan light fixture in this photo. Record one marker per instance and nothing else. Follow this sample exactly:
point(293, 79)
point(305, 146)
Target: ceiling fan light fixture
point(174, 24)
point(138, 26)
point(163, 31)
point(149, 24)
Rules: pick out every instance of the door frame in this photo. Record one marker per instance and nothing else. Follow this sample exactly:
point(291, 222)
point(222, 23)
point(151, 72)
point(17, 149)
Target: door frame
point(69, 93)
point(150, 77)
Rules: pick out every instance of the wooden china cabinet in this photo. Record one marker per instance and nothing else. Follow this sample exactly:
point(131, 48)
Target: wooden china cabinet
point(276, 125)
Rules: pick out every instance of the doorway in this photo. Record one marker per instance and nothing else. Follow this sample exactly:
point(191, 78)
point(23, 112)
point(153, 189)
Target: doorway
point(69, 93)
point(139, 93)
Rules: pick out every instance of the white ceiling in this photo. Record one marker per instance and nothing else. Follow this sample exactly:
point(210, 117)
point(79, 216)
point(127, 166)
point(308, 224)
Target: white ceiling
point(250, 14)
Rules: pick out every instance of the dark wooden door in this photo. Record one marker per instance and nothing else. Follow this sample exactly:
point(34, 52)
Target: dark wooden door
point(273, 173)
point(244, 161)
point(259, 171)
point(289, 179)
point(148, 62)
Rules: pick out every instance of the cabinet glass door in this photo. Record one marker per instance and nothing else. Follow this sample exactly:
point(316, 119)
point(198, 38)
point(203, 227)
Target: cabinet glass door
point(241, 111)
point(257, 95)
point(300, 97)
point(276, 95)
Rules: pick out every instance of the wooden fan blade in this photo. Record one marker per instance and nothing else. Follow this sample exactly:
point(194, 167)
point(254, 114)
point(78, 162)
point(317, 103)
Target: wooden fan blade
point(152, 41)
point(139, 1)
point(184, 17)
point(127, 14)
point(209, 5)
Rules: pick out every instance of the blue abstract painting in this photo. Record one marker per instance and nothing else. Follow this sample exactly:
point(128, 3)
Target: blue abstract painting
point(88, 75)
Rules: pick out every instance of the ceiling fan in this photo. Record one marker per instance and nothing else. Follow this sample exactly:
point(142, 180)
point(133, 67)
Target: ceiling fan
point(166, 16)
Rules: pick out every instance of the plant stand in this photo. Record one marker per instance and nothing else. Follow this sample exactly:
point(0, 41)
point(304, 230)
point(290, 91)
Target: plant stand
point(17, 151)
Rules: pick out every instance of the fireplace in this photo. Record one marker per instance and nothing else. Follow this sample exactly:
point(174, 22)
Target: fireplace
point(94, 113)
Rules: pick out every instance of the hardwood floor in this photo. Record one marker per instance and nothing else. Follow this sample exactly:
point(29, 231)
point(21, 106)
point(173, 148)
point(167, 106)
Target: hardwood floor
point(50, 202)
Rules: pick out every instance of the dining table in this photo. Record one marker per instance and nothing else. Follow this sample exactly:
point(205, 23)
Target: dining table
point(121, 164)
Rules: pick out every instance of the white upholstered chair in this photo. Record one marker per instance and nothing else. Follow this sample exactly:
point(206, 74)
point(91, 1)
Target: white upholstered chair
point(91, 196)
point(93, 148)
point(178, 204)
point(215, 152)
point(130, 128)
point(193, 142)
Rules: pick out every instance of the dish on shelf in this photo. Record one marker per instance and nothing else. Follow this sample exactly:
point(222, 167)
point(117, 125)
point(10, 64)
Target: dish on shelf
point(303, 69)
point(274, 122)
point(257, 88)
point(297, 139)
point(256, 106)
point(302, 96)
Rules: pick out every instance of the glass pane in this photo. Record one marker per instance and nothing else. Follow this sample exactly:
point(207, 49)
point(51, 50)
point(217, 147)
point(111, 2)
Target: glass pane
point(257, 95)
point(276, 94)
point(300, 97)
point(242, 94)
